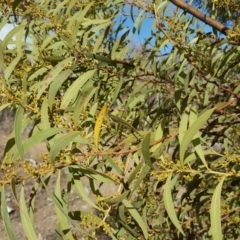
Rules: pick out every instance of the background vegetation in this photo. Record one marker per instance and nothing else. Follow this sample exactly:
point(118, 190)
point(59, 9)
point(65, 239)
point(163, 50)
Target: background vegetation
point(161, 124)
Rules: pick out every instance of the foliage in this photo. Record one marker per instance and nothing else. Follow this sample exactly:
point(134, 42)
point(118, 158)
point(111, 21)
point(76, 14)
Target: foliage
point(225, 11)
point(161, 125)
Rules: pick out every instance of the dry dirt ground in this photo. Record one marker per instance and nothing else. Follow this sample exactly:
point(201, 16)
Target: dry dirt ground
point(45, 218)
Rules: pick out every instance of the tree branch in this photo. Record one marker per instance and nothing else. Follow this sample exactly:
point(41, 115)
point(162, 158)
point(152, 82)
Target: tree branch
point(196, 13)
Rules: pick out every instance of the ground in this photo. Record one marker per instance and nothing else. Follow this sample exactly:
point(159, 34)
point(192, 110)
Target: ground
point(45, 218)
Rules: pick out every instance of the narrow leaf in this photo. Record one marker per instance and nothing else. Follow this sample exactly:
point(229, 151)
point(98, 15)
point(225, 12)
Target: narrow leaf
point(32, 200)
point(46, 41)
point(118, 89)
point(52, 75)
point(18, 128)
point(62, 220)
point(44, 115)
point(11, 67)
point(191, 132)
point(90, 173)
point(38, 137)
point(215, 212)
point(58, 204)
point(75, 88)
point(61, 143)
point(84, 11)
point(140, 178)
point(134, 213)
point(4, 106)
point(168, 203)
point(123, 122)
point(14, 6)
point(145, 149)
point(138, 22)
point(81, 191)
point(5, 216)
point(39, 72)
point(56, 84)
point(2, 71)
point(9, 36)
point(118, 199)
point(183, 126)
point(98, 124)
point(25, 219)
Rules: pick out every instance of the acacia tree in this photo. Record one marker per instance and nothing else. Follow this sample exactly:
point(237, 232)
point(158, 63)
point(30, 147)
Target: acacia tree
point(148, 123)
point(227, 12)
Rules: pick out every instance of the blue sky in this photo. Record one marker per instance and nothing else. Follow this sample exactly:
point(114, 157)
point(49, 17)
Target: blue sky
point(147, 25)
point(138, 39)
point(145, 31)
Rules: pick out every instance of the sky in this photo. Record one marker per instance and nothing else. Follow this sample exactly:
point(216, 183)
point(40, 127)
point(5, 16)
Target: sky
point(5, 30)
point(145, 31)
point(147, 25)
point(137, 39)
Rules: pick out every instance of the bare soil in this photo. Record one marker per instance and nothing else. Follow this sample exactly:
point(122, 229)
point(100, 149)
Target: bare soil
point(45, 217)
